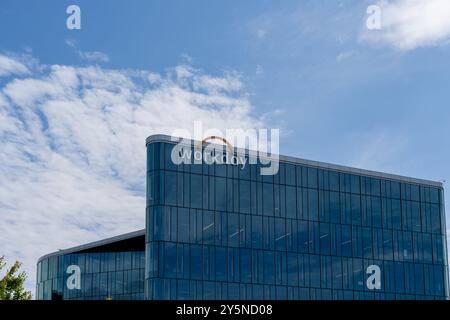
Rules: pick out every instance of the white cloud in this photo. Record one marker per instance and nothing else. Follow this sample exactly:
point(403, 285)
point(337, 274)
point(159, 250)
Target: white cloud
point(93, 56)
point(90, 56)
point(9, 66)
point(409, 24)
point(72, 157)
point(381, 151)
point(259, 69)
point(344, 56)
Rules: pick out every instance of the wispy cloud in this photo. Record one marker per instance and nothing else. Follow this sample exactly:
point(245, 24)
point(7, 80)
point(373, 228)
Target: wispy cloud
point(10, 66)
point(409, 24)
point(381, 151)
point(93, 56)
point(72, 157)
point(90, 56)
point(345, 55)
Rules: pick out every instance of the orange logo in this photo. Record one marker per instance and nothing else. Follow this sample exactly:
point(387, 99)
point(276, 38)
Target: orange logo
point(225, 141)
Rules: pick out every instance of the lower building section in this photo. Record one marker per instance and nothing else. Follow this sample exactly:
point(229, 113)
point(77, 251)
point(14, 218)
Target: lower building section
point(208, 272)
point(176, 289)
point(111, 269)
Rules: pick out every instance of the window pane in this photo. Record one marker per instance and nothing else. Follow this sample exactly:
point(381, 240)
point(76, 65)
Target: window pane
point(196, 191)
point(244, 196)
point(170, 187)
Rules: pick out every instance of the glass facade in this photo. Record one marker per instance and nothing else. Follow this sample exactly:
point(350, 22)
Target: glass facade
point(226, 232)
point(103, 275)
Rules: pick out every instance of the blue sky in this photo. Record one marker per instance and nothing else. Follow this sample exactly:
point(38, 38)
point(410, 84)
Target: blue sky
point(338, 92)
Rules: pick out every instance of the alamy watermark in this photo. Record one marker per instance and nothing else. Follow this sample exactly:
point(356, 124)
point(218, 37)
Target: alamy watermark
point(73, 21)
point(373, 21)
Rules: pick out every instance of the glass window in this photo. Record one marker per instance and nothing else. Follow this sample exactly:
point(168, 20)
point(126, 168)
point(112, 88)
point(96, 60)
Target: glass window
point(334, 180)
point(314, 245)
point(256, 232)
point(233, 230)
point(434, 195)
point(415, 193)
point(313, 204)
point(395, 189)
point(355, 184)
point(358, 274)
point(170, 259)
point(196, 261)
point(269, 267)
point(427, 248)
point(170, 187)
point(435, 219)
point(324, 238)
point(245, 265)
point(346, 241)
point(375, 187)
point(268, 233)
point(196, 191)
point(183, 225)
point(335, 209)
point(169, 165)
point(303, 236)
point(356, 209)
point(314, 271)
point(268, 199)
point(367, 242)
point(399, 277)
point(312, 178)
point(407, 246)
point(221, 193)
point(208, 227)
point(415, 212)
point(292, 269)
point(291, 204)
point(280, 234)
point(244, 196)
point(337, 272)
point(290, 174)
point(396, 214)
point(376, 211)
point(387, 245)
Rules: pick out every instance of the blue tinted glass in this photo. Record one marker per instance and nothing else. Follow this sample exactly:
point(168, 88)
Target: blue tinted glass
point(291, 204)
point(290, 174)
point(244, 196)
point(313, 204)
point(221, 194)
point(303, 236)
point(314, 271)
point(170, 187)
point(355, 184)
point(396, 213)
point(269, 267)
point(280, 234)
point(256, 232)
point(196, 191)
point(335, 209)
point(395, 189)
point(268, 199)
point(312, 178)
point(334, 180)
point(263, 239)
point(356, 209)
point(376, 211)
point(324, 238)
point(434, 195)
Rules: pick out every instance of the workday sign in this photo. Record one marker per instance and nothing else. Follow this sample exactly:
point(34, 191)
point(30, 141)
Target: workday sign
point(182, 154)
point(257, 146)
